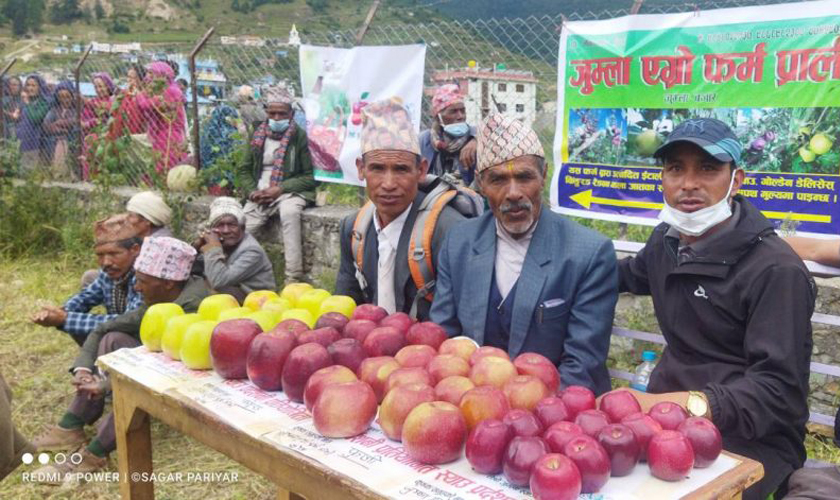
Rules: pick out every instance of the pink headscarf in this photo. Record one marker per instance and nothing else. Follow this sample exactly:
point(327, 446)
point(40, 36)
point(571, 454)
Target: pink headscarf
point(105, 77)
point(445, 96)
point(163, 69)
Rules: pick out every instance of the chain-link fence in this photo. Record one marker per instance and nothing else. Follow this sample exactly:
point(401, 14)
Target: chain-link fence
point(134, 124)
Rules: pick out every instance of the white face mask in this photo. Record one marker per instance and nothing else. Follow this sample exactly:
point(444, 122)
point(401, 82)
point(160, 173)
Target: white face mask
point(697, 223)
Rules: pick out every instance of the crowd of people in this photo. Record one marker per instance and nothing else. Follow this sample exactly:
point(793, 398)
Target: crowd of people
point(53, 139)
point(732, 298)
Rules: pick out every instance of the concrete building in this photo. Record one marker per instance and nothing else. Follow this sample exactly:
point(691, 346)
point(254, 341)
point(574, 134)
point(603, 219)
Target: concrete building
point(513, 93)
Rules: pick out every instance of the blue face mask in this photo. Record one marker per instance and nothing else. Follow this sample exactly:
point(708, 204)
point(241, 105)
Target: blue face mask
point(457, 129)
point(278, 126)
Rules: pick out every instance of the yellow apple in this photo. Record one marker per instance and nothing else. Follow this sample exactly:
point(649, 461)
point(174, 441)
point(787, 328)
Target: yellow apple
point(257, 298)
point(299, 314)
point(277, 306)
point(292, 291)
point(235, 313)
point(266, 319)
point(195, 346)
point(212, 306)
point(154, 323)
point(338, 303)
point(170, 342)
point(311, 301)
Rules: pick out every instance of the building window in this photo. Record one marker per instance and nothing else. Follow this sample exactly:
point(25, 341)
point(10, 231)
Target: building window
point(502, 107)
point(520, 108)
point(520, 88)
point(502, 87)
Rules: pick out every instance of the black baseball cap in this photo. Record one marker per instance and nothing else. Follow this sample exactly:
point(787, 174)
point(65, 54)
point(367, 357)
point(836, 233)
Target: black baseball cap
point(714, 136)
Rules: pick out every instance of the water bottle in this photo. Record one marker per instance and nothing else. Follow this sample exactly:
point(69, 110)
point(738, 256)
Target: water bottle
point(640, 380)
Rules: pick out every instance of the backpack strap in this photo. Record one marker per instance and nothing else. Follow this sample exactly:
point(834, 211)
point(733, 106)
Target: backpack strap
point(420, 256)
point(357, 241)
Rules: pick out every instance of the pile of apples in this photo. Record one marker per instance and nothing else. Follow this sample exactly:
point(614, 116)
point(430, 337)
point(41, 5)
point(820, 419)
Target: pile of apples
point(437, 395)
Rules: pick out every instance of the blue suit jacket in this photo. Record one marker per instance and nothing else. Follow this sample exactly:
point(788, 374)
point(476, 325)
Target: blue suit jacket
point(565, 296)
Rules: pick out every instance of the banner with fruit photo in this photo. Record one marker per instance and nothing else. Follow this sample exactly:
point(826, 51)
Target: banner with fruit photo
point(338, 83)
point(772, 73)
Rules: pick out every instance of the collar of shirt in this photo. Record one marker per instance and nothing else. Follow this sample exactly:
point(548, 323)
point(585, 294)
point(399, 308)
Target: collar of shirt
point(391, 232)
point(510, 257)
point(687, 251)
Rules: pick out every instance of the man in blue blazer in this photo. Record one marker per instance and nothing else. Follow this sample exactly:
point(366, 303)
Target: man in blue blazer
point(522, 278)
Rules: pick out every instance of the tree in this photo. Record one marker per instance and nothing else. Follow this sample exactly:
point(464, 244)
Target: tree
point(99, 11)
point(318, 5)
point(25, 15)
point(65, 11)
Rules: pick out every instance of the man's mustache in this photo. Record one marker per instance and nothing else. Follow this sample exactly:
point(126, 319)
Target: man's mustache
point(510, 206)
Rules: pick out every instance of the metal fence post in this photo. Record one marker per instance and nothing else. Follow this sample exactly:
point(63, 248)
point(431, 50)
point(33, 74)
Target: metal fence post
point(194, 89)
point(359, 37)
point(2, 90)
point(77, 74)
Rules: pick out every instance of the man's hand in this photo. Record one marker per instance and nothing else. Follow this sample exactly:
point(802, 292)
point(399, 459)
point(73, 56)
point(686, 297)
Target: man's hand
point(647, 400)
point(96, 388)
point(468, 154)
point(266, 196)
point(81, 378)
point(50, 316)
point(211, 240)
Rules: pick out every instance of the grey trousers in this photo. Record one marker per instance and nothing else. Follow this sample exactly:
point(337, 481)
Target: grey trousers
point(289, 207)
point(89, 410)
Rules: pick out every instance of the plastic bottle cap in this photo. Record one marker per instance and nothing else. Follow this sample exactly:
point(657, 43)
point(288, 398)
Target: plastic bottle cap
point(648, 356)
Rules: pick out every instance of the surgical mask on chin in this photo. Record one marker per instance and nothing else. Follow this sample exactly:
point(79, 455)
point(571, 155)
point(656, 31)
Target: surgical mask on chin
point(278, 126)
point(457, 130)
point(697, 223)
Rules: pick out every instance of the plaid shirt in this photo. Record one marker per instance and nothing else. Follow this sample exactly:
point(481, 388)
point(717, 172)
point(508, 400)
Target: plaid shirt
point(80, 321)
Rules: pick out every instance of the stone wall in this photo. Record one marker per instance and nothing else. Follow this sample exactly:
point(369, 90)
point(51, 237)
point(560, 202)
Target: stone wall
point(321, 258)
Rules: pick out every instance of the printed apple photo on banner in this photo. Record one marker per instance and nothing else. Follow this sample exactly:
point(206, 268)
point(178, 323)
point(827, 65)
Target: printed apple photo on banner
point(597, 135)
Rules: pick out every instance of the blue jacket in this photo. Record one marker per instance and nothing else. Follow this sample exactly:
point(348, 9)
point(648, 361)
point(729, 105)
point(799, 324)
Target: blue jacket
point(565, 296)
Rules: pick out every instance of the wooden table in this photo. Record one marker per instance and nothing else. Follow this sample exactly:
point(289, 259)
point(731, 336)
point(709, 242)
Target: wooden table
point(295, 474)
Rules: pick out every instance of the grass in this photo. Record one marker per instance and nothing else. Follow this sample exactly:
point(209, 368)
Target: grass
point(42, 391)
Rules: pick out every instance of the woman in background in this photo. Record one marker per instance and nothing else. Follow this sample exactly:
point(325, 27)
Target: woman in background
point(61, 130)
point(163, 104)
point(35, 104)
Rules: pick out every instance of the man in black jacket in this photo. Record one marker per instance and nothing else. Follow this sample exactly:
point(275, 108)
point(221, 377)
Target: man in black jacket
point(733, 301)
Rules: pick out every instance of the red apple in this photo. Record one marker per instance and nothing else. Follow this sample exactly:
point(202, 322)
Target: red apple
point(523, 422)
point(303, 361)
point(358, 329)
point(333, 319)
point(347, 352)
point(492, 370)
point(592, 461)
point(643, 428)
point(266, 357)
point(520, 457)
point(402, 376)
point(487, 351)
point(375, 371)
point(229, 346)
point(294, 326)
point(618, 404)
point(415, 355)
point(670, 456)
point(592, 421)
point(482, 403)
point(486, 445)
point(344, 410)
point(399, 320)
point(551, 410)
point(434, 433)
point(621, 446)
point(384, 341)
point(398, 403)
point(324, 336)
point(369, 312)
point(531, 363)
point(577, 399)
point(559, 434)
point(555, 477)
point(451, 389)
point(447, 365)
point(669, 415)
point(525, 391)
point(335, 374)
point(705, 440)
point(427, 333)
point(463, 347)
